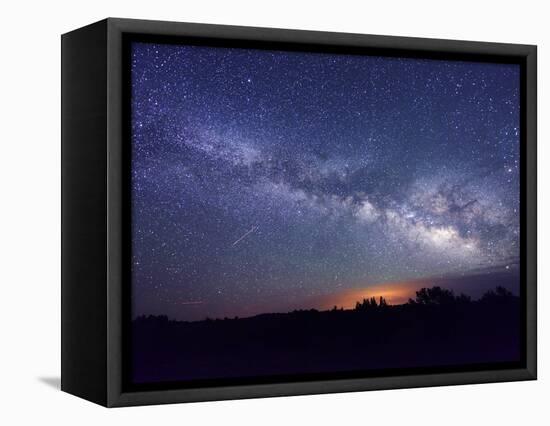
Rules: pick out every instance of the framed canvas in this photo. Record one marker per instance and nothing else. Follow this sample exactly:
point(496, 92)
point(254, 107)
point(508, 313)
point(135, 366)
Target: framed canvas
point(253, 212)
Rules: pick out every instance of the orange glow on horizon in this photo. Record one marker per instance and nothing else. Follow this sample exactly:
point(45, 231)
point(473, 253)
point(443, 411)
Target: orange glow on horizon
point(395, 294)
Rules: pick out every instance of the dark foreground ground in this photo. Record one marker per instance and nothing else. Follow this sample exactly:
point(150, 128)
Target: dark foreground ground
point(303, 342)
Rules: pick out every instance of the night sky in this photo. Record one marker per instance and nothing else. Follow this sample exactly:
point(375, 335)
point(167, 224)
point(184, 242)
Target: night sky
point(267, 181)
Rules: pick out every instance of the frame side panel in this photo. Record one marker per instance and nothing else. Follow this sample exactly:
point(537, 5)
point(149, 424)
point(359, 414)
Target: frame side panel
point(117, 250)
point(83, 212)
point(531, 210)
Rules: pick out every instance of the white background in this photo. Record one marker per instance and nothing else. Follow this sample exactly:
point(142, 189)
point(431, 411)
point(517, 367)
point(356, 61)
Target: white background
point(30, 212)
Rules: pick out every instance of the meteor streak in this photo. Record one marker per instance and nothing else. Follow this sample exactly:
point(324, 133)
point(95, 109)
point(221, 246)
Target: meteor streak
point(244, 235)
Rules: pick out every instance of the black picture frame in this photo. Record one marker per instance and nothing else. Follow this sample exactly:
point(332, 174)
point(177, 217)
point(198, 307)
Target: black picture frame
point(95, 207)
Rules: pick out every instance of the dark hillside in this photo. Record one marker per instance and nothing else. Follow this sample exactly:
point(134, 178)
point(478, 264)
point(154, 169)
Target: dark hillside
point(431, 331)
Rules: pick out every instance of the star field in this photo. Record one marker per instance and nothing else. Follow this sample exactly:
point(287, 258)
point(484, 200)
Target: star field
point(263, 179)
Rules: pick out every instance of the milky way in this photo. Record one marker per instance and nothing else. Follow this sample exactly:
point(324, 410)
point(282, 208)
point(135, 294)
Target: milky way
point(264, 179)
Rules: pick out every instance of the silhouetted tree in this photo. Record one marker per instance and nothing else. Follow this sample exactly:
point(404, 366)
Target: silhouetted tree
point(462, 298)
point(438, 296)
point(370, 304)
point(500, 294)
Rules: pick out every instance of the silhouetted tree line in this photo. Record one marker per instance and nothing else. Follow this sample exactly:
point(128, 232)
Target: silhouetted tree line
point(158, 319)
point(440, 296)
point(370, 304)
point(434, 296)
point(498, 295)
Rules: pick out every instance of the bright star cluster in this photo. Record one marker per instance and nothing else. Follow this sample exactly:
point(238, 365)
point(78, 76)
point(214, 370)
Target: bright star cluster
point(263, 179)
